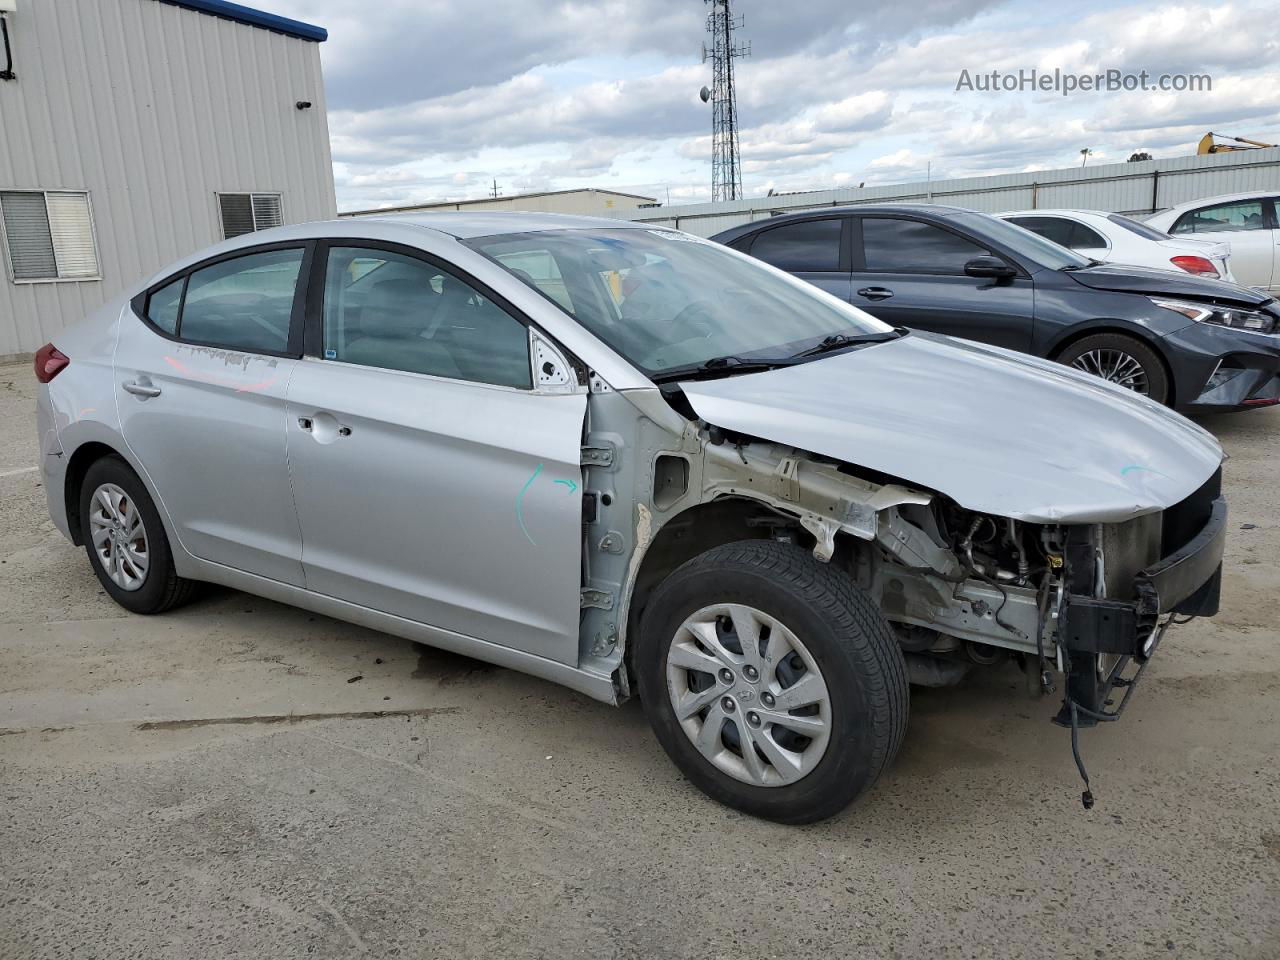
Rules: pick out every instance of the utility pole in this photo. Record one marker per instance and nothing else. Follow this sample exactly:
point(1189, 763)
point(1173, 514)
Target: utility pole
point(726, 167)
point(494, 192)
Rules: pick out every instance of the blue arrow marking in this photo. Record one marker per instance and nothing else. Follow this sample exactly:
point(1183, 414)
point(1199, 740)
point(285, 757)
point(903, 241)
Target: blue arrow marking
point(1134, 466)
point(570, 484)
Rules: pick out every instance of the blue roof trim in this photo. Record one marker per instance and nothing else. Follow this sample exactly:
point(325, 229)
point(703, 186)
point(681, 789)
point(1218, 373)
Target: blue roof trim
point(255, 18)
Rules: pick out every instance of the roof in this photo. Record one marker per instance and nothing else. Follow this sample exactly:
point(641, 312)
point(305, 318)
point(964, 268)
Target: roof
point(254, 18)
point(935, 210)
point(488, 223)
point(1221, 198)
point(513, 196)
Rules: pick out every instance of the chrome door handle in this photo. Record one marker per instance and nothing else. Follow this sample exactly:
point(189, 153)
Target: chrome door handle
point(138, 389)
point(875, 293)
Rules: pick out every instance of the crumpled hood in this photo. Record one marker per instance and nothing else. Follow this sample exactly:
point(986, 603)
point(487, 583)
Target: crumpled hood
point(996, 431)
point(1165, 283)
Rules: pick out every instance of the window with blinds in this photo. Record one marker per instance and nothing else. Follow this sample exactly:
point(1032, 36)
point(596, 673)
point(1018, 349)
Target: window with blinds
point(49, 235)
point(246, 212)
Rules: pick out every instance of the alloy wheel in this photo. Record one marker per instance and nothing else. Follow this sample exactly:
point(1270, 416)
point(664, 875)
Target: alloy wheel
point(749, 695)
point(119, 537)
point(1115, 366)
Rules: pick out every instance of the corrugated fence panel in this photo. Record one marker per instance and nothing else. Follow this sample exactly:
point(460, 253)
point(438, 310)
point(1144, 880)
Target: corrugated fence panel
point(1136, 188)
point(153, 109)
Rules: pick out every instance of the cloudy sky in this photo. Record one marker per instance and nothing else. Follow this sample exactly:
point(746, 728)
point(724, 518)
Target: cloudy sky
point(435, 99)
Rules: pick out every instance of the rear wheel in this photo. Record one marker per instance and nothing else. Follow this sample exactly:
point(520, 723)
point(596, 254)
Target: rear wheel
point(771, 681)
point(1122, 360)
point(126, 542)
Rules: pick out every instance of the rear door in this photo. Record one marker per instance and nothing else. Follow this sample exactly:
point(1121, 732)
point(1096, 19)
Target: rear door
point(1249, 226)
point(910, 273)
point(202, 364)
point(816, 250)
point(435, 478)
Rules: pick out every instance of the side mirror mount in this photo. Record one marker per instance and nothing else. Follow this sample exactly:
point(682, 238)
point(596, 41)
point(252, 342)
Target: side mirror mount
point(989, 268)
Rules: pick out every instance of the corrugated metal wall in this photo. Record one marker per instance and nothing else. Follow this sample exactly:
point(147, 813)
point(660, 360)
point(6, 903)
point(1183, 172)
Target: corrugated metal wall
point(153, 109)
point(1135, 188)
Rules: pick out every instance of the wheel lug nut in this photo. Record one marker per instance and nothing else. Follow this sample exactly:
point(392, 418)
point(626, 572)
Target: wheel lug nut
point(753, 718)
point(751, 673)
point(767, 698)
point(726, 675)
point(728, 704)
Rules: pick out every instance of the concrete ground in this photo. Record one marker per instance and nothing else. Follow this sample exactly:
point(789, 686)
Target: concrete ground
point(216, 783)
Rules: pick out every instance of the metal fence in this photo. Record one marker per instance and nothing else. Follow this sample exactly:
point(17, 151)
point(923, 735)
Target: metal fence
point(1133, 188)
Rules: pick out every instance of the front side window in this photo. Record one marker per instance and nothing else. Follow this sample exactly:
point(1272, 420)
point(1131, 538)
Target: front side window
point(1224, 218)
point(811, 246)
point(384, 309)
point(664, 300)
point(245, 303)
point(49, 235)
point(909, 246)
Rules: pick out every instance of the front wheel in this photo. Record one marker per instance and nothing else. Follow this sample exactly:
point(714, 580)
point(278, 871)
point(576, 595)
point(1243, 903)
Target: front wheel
point(773, 682)
point(1122, 360)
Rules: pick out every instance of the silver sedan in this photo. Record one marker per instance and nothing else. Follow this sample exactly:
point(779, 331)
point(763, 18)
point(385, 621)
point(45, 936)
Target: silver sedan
point(629, 461)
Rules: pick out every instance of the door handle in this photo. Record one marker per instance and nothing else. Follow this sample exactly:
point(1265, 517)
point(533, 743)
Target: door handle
point(875, 293)
point(324, 427)
point(141, 388)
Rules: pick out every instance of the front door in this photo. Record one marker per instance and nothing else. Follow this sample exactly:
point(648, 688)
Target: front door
point(433, 481)
point(911, 274)
point(201, 368)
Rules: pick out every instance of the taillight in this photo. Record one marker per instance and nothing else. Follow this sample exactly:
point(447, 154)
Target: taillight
point(50, 361)
point(1197, 265)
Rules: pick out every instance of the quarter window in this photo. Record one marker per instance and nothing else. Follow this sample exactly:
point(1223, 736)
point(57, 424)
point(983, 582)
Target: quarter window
point(383, 309)
point(164, 305)
point(1224, 218)
point(811, 246)
point(909, 246)
point(49, 235)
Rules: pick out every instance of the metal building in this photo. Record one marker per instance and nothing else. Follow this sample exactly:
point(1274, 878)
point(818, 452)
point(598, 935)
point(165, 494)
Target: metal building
point(1133, 188)
point(583, 202)
point(133, 132)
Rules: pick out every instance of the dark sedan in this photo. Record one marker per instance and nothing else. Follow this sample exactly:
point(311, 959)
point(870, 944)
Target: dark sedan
point(1193, 343)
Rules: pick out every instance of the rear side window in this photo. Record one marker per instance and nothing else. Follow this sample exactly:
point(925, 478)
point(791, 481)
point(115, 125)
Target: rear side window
point(1066, 233)
point(1224, 218)
point(384, 309)
point(811, 246)
point(909, 246)
point(245, 303)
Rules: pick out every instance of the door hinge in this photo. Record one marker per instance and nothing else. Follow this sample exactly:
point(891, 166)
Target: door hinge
point(603, 599)
point(597, 455)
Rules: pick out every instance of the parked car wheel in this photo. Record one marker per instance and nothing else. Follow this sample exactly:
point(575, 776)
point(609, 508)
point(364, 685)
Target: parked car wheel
point(773, 683)
point(1122, 360)
point(126, 541)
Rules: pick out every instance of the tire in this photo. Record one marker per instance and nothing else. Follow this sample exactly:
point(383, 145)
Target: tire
point(856, 659)
point(1129, 361)
point(150, 587)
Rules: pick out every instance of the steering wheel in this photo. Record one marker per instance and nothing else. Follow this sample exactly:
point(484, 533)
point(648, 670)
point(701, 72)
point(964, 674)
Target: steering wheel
point(706, 307)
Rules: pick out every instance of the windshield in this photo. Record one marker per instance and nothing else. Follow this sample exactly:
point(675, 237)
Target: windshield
point(665, 300)
point(1022, 241)
point(1135, 226)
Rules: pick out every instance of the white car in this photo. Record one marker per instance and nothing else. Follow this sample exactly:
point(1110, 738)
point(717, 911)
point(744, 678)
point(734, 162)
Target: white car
point(1115, 238)
point(1246, 221)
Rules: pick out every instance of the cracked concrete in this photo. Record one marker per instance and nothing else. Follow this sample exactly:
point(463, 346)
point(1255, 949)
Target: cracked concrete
point(207, 783)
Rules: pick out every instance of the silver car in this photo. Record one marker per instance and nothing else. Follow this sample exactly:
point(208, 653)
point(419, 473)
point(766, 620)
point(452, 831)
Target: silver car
point(633, 462)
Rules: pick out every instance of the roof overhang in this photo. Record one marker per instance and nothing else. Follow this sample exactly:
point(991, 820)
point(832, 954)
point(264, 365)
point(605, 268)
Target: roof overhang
point(254, 18)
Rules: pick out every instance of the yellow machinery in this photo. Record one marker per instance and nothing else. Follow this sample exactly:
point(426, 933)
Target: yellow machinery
point(1208, 144)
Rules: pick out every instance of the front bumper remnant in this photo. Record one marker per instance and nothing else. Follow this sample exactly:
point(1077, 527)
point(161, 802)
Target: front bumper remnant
point(1107, 644)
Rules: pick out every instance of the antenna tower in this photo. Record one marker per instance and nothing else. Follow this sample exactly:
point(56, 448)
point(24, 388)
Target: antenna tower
point(726, 166)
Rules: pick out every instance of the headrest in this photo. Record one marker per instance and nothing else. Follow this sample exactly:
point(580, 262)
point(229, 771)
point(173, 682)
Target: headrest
point(398, 308)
